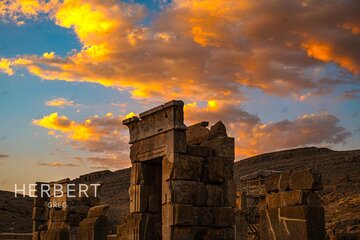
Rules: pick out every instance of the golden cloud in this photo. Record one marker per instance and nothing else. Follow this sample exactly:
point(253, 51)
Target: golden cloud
point(5, 66)
point(325, 52)
point(60, 102)
point(202, 51)
point(95, 134)
point(105, 137)
point(197, 50)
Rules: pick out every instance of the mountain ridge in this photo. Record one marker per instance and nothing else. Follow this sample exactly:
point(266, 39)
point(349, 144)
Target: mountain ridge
point(340, 197)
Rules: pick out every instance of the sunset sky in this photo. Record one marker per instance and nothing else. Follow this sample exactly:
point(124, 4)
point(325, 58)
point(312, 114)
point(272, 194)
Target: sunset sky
point(280, 74)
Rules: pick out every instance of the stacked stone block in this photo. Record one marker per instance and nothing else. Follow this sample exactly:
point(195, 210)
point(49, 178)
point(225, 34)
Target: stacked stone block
point(40, 214)
point(59, 218)
point(293, 210)
point(93, 227)
point(182, 183)
point(58, 223)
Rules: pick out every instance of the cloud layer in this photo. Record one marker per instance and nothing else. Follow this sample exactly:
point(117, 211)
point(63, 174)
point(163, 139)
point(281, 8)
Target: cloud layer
point(104, 135)
point(255, 137)
point(96, 134)
point(56, 164)
point(106, 138)
point(200, 50)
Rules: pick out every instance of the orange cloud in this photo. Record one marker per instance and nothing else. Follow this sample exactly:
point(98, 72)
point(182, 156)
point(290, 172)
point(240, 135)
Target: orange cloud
point(197, 50)
point(208, 39)
point(95, 134)
point(60, 102)
point(205, 52)
point(325, 52)
point(105, 137)
point(5, 66)
point(254, 137)
point(74, 131)
point(55, 122)
point(354, 28)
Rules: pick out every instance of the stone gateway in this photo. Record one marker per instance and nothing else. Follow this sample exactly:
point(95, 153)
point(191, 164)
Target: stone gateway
point(182, 184)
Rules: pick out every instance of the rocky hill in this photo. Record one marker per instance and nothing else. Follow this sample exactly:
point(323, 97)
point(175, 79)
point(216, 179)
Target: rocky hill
point(15, 213)
point(341, 194)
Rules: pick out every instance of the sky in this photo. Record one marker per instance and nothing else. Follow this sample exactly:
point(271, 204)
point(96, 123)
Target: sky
point(280, 74)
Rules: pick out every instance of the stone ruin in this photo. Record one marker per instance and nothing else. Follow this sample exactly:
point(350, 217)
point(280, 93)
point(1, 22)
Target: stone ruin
point(293, 210)
point(181, 184)
point(182, 187)
point(280, 205)
point(68, 218)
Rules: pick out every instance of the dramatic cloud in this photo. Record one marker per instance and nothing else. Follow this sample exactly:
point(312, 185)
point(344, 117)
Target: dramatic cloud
point(108, 138)
point(255, 137)
point(56, 164)
point(200, 50)
point(306, 130)
point(61, 102)
point(101, 135)
point(206, 52)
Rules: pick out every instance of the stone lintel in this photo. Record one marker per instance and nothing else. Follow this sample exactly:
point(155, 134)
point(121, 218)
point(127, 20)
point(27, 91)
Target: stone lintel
point(161, 119)
point(161, 107)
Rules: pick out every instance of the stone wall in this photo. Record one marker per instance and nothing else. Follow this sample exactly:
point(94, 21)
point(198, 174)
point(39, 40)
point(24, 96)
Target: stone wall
point(181, 180)
point(293, 210)
point(60, 218)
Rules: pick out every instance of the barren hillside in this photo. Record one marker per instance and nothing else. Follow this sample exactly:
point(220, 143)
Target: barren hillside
point(341, 194)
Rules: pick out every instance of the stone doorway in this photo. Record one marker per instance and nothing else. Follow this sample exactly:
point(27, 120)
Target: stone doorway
point(153, 183)
point(181, 183)
point(145, 198)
